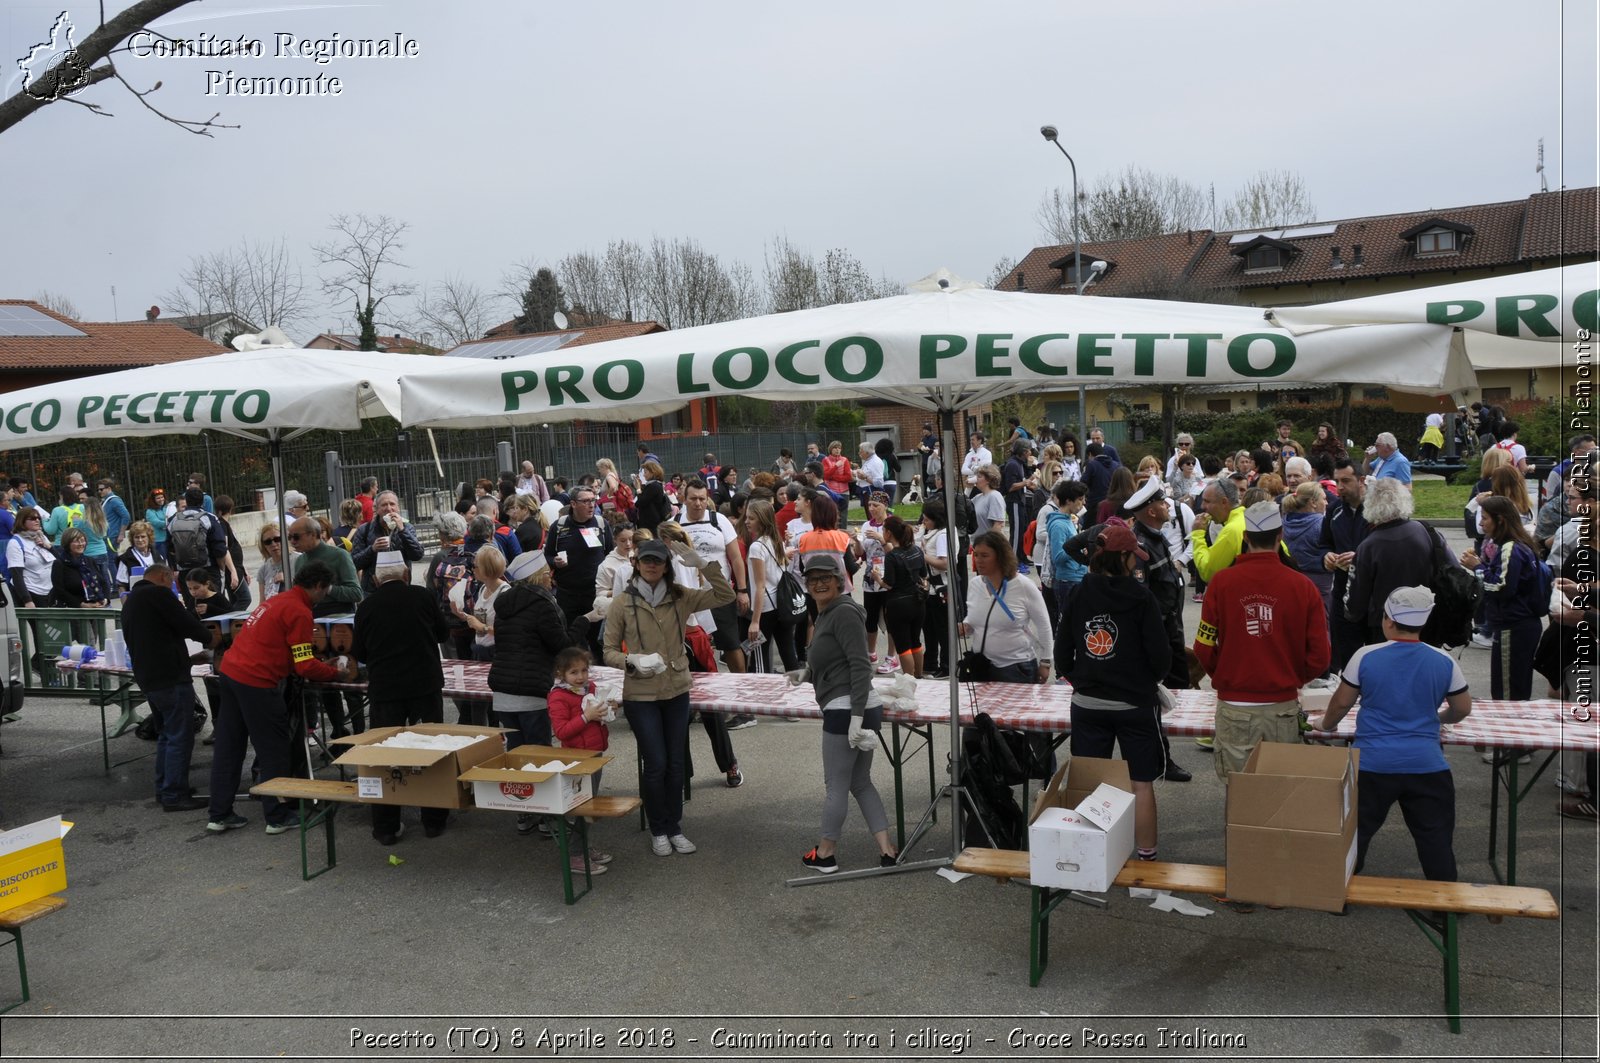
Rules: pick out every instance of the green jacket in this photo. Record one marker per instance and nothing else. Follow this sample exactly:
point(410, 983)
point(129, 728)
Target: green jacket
point(346, 588)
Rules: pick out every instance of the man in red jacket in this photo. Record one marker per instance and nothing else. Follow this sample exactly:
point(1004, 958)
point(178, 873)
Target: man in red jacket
point(267, 647)
point(1263, 635)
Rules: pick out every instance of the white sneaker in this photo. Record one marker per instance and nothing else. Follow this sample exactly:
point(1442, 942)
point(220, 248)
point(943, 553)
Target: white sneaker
point(660, 845)
point(888, 667)
point(1326, 682)
point(680, 844)
point(1482, 642)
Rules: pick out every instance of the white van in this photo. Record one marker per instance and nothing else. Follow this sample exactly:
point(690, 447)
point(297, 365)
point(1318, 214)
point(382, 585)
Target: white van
point(10, 632)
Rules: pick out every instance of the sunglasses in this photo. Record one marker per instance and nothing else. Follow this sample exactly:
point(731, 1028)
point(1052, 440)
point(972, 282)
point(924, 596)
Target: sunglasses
point(272, 541)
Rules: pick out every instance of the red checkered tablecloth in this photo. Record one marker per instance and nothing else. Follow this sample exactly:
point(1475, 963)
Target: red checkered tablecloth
point(1496, 724)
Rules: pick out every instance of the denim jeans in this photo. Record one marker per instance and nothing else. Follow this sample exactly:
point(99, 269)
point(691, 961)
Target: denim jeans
point(175, 741)
point(662, 730)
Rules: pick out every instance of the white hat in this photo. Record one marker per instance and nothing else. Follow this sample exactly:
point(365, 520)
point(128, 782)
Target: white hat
point(1148, 494)
point(1263, 517)
point(386, 558)
point(1410, 606)
point(525, 565)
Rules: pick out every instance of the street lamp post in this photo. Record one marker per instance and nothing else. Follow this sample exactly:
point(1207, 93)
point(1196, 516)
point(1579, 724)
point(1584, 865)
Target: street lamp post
point(1049, 132)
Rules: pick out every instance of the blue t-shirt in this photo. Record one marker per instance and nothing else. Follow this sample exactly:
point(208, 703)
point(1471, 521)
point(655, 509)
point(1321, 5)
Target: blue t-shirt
point(1395, 467)
point(1402, 685)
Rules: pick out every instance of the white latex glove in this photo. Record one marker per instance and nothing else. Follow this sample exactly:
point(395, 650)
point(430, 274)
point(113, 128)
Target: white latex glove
point(646, 665)
point(342, 663)
point(861, 738)
point(687, 554)
point(798, 676)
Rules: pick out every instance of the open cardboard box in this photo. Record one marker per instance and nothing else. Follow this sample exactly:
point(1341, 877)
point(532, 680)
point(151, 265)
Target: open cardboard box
point(1292, 826)
point(1081, 831)
point(32, 862)
point(422, 778)
point(502, 782)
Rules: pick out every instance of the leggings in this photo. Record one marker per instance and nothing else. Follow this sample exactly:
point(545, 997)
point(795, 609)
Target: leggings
point(848, 771)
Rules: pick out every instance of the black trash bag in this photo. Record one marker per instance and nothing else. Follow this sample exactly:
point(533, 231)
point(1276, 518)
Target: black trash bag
point(988, 771)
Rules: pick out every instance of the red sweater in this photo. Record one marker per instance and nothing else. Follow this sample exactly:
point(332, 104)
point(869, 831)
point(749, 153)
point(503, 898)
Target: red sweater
point(274, 641)
point(566, 720)
point(1263, 633)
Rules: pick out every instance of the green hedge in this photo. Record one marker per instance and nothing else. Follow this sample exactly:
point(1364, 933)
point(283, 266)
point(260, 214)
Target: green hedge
point(1224, 433)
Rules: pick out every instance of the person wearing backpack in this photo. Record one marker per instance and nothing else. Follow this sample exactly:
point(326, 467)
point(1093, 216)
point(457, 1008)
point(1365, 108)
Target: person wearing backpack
point(773, 588)
point(196, 539)
point(1516, 588)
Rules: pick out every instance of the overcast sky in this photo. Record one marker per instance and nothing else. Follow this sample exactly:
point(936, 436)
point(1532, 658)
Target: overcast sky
point(905, 132)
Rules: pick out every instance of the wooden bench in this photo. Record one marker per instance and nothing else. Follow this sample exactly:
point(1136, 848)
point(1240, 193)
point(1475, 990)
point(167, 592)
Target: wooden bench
point(1433, 906)
point(11, 924)
point(331, 793)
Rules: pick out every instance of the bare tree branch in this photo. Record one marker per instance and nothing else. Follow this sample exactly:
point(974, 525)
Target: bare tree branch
point(456, 310)
point(92, 50)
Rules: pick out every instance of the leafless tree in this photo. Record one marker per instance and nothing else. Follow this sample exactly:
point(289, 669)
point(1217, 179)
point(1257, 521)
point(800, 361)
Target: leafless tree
point(794, 280)
point(57, 302)
point(1133, 203)
point(1001, 273)
point(359, 259)
point(1271, 199)
point(65, 72)
point(256, 282)
point(456, 310)
point(684, 285)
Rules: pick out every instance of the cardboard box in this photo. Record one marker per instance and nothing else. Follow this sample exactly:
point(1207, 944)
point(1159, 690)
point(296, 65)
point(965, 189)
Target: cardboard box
point(422, 778)
point(32, 862)
point(501, 782)
point(1081, 832)
point(1292, 826)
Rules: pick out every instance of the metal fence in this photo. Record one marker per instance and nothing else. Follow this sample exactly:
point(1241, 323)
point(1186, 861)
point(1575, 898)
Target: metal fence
point(404, 460)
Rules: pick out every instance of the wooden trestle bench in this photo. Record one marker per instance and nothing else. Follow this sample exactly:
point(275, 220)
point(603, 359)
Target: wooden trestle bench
point(1433, 906)
point(320, 800)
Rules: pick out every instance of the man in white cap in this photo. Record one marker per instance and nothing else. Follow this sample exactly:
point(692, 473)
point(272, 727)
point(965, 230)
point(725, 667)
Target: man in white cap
point(1263, 635)
point(1401, 683)
point(1148, 513)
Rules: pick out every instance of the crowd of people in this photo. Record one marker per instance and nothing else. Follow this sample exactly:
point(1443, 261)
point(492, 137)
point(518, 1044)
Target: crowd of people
point(1067, 564)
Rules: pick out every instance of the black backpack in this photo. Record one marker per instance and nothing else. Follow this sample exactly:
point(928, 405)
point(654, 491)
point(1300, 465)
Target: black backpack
point(1456, 593)
point(187, 533)
point(966, 521)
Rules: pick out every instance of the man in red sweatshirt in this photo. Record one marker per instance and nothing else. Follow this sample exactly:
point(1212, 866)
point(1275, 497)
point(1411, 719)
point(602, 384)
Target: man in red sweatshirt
point(1263, 635)
point(273, 642)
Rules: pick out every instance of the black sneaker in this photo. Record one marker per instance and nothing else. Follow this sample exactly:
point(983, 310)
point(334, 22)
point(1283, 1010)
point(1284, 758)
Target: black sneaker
point(232, 821)
point(741, 721)
point(432, 830)
point(390, 839)
point(885, 860)
point(1176, 773)
point(735, 778)
point(825, 864)
point(284, 826)
point(186, 804)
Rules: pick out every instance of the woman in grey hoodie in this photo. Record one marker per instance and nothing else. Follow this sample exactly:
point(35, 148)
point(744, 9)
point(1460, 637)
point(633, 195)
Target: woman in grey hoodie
point(838, 667)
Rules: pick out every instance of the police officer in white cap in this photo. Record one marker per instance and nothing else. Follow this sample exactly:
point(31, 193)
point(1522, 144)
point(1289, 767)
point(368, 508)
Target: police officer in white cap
point(1401, 683)
point(1148, 511)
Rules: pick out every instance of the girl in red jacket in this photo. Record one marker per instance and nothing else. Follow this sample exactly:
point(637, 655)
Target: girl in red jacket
point(577, 717)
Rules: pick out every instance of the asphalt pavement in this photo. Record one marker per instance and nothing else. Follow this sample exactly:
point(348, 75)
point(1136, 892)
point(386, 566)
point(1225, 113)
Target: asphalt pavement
point(182, 944)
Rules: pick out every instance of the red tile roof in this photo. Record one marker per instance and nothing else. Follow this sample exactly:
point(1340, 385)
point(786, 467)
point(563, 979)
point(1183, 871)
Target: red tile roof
point(576, 319)
point(1144, 266)
point(1513, 235)
point(108, 345)
point(349, 341)
point(1562, 223)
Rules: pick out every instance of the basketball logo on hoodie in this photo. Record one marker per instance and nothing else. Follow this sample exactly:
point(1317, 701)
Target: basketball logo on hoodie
point(1100, 637)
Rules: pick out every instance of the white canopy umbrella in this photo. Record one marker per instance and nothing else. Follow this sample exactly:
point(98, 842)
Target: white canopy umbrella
point(945, 346)
point(1548, 305)
point(267, 393)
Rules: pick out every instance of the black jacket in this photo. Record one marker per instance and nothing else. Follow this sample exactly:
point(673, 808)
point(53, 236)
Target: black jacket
point(651, 505)
point(529, 630)
point(1112, 643)
point(75, 581)
point(155, 623)
point(365, 555)
point(397, 636)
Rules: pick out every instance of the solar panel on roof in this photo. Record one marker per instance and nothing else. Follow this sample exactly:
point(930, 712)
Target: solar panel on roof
point(26, 321)
point(516, 348)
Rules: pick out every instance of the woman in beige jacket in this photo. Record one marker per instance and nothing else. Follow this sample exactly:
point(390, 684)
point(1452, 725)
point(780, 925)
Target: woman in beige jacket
point(644, 638)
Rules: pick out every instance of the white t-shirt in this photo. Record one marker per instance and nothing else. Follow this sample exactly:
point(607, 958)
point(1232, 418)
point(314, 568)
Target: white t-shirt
point(482, 609)
point(771, 571)
point(975, 460)
point(711, 536)
point(36, 563)
point(873, 471)
point(794, 529)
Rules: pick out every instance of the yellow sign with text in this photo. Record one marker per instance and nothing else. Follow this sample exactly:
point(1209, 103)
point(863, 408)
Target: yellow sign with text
point(32, 863)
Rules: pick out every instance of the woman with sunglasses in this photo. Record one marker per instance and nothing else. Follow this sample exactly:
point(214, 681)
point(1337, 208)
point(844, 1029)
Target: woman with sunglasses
point(269, 577)
point(648, 617)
